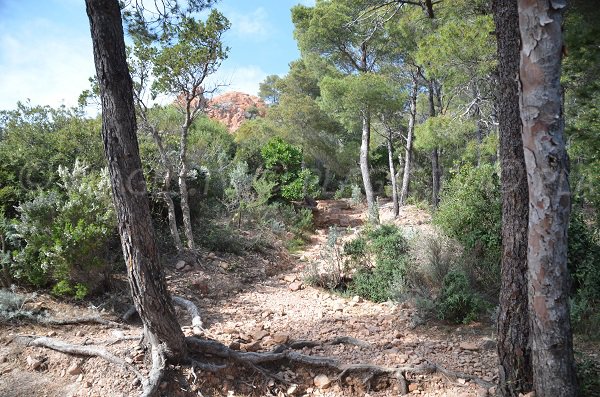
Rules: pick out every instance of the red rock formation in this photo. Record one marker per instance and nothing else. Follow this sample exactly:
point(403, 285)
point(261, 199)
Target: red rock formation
point(233, 108)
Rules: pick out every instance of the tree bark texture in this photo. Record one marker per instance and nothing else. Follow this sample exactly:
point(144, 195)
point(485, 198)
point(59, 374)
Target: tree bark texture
point(549, 196)
point(390, 150)
point(409, 140)
point(146, 278)
point(364, 166)
point(183, 190)
point(514, 351)
point(435, 155)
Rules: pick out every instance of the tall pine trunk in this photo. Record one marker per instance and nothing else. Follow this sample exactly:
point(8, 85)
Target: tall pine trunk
point(549, 197)
point(146, 277)
point(364, 166)
point(514, 352)
point(409, 140)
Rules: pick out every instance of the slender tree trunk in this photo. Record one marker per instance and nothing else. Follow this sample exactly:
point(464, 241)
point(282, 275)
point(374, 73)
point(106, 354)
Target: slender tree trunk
point(549, 197)
point(435, 156)
point(435, 177)
point(183, 190)
point(514, 352)
point(165, 194)
point(479, 130)
point(364, 167)
point(146, 278)
point(390, 149)
point(409, 141)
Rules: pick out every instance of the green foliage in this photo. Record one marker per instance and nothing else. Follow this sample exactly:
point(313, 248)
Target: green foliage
point(63, 234)
point(220, 237)
point(460, 50)
point(188, 52)
point(588, 374)
point(34, 141)
point(470, 209)
point(582, 100)
point(284, 167)
point(380, 258)
point(584, 265)
point(458, 303)
point(348, 98)
point(442, 131)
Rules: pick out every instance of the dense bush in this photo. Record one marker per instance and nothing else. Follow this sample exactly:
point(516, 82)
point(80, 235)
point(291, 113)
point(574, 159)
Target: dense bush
point(62, 235)
point(470, 211)
point(584, 264)
point(380, 258)
point(458, 302)
point(34, 141)
point(283, 163)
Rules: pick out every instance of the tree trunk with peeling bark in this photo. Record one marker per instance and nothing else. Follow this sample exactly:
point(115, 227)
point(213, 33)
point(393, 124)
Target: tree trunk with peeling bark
point(146, 277)
point(514, 351)
point(549, 196)
point(409, 140)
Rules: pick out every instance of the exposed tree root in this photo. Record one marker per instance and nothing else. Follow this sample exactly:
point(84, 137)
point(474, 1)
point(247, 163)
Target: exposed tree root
point(78, 350)
point(342, 340)
point(186, 304)
point(367, 372)
point(193, 311)
point(159, 363)
point(210, 350)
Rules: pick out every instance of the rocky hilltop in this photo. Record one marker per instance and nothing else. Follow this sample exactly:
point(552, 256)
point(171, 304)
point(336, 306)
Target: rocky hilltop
point(233, 108)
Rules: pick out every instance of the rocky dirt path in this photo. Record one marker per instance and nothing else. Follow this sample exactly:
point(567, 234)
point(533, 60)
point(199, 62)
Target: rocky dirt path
point(284, 308)
point(254, 303)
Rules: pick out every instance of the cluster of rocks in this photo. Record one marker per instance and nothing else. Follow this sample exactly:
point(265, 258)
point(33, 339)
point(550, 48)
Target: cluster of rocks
point(234, 108)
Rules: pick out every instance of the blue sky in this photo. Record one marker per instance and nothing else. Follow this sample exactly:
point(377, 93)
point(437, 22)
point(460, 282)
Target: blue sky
point(46, 51)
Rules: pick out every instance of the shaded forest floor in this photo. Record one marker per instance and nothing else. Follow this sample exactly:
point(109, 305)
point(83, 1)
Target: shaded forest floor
point(255, 303)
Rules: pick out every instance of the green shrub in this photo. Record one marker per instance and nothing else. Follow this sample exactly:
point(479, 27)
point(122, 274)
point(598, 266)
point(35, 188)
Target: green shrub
point(588, 375)
point(458, 303)
point(388, 248)
point(377, 284)
point(470, 211)
point(283, 162)
point(584, 264)
point(64, 235)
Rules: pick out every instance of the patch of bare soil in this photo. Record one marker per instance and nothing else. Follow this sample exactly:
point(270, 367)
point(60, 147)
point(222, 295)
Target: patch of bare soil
point(255, 303)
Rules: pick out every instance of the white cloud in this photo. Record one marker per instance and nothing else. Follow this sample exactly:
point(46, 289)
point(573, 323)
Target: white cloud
point(244, 79)
point(39, 63)
point(254, 25)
